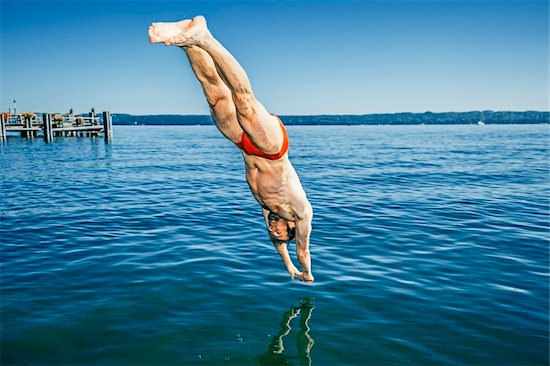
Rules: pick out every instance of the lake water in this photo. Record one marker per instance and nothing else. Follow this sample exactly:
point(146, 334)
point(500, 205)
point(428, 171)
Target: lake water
point(430, 246)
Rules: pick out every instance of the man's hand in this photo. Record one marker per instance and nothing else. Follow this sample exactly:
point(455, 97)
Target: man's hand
point(294, 272)
point(306, 277)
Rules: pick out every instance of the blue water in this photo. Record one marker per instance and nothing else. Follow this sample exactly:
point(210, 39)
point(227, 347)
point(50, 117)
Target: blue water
point(430, 245)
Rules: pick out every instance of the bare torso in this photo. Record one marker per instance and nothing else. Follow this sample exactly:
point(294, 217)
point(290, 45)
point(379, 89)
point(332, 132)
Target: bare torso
point(276, 187)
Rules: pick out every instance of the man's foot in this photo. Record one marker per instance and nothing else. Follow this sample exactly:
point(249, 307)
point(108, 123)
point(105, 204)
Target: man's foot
point(184, 33)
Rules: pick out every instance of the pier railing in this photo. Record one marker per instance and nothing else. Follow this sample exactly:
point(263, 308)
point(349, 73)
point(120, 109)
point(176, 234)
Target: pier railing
point(30, 124)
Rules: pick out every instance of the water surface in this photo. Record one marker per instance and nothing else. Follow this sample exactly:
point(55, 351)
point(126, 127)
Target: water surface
point(429, 246)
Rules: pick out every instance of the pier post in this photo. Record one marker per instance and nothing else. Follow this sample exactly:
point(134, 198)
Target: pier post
point(48, 130)
point(107, 126)
point(92, 117)
point(28, 124)
point(2, 127)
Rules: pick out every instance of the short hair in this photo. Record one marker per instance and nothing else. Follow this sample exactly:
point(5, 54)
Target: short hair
point(291, 233)
point(276, 241)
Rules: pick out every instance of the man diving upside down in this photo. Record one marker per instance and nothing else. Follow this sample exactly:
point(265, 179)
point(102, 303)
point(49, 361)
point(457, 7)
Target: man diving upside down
point(261, 136)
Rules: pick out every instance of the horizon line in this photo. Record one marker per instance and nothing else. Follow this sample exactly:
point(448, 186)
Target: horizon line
point(355, 114)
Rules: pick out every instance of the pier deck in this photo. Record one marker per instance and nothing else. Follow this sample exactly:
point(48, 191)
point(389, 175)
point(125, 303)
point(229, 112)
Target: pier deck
point(29, 125)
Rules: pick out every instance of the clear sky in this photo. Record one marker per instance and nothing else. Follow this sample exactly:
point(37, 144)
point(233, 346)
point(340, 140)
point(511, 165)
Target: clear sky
point(302, 57)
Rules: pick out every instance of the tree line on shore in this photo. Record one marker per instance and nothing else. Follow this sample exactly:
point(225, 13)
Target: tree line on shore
point(427, 118)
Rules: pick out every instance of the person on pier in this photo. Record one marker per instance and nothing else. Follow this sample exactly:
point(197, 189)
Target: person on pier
point(260, 136)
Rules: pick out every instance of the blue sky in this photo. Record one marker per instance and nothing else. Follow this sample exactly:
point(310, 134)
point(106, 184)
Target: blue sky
point(302, 57)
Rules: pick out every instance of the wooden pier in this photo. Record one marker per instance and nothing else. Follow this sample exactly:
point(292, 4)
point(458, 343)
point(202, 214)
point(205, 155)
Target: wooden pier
point(51, 125)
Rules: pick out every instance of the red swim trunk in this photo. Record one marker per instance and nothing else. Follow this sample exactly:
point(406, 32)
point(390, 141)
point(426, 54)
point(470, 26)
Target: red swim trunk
point(248, 146)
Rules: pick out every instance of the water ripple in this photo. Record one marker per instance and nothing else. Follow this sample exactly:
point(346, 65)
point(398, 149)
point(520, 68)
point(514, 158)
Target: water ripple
point(429, 246)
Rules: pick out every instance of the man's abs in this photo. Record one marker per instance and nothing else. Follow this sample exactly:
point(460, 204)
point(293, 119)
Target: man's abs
point(277, 190)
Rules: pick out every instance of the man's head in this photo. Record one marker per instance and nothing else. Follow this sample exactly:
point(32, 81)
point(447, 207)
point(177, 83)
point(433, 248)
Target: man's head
point(279, 229)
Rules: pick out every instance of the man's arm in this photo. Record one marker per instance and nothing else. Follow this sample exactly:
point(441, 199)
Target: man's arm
point(282, 249)
point(290, 267)
point(303, 231)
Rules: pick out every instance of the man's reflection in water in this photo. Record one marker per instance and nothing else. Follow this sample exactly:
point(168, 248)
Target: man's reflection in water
point(274, 354)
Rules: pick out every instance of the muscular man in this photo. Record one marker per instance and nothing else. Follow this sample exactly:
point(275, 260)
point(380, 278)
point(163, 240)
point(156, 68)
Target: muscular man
point(261, 136)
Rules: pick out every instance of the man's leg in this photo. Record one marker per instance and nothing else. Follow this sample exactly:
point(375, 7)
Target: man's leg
point(217, 93)
point(262, 128)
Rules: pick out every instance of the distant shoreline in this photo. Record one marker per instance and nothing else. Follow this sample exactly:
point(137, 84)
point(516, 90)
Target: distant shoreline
point(427, 118)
